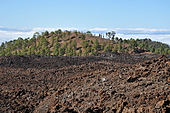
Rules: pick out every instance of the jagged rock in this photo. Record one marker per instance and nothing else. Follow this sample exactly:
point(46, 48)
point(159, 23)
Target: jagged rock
point(160, 104)
point(131, 79)
point(122, 83)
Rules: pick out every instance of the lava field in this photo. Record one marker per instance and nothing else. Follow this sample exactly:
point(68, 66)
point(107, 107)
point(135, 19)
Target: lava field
point(104, 83)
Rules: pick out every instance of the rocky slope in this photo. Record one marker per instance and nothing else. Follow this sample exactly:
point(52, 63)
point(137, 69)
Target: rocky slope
point(106, 83)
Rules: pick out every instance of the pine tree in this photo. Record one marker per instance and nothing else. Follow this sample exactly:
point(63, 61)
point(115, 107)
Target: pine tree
point(103, 45)
point(74, 44)
point(61, 51)
point(79, 52)
point(96, 45)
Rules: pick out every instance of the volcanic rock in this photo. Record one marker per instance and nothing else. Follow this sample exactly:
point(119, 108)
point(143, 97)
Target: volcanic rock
point(92, 84)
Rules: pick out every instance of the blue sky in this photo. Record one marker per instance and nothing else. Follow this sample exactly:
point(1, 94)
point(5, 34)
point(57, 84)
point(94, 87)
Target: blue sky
point(129, 18)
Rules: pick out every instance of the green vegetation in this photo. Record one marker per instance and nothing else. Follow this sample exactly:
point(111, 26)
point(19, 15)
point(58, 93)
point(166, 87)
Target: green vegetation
point(75, 43)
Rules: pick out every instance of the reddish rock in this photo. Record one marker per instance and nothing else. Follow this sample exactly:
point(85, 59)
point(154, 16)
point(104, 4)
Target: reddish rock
point(43, 84)
point(160, 104)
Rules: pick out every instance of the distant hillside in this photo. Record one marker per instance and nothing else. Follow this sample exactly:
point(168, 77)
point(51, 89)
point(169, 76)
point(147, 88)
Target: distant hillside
point(75, 43)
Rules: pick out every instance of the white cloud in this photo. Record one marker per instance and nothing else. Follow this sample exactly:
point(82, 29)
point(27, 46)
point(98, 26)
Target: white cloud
point(130, 31)
point(100, 29)
point(68, 29)
point(160, 38)
point(9, 33)
point(52, 29)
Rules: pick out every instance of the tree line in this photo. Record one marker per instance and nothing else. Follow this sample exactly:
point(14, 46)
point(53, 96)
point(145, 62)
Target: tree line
point(76, 43)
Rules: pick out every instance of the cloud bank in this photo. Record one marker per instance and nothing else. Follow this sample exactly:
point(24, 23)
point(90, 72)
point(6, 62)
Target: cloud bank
point(9, 33)
point(143, 31)
point(162, 35)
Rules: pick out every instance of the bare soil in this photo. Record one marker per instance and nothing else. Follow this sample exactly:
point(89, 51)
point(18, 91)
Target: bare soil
point(104, 83)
